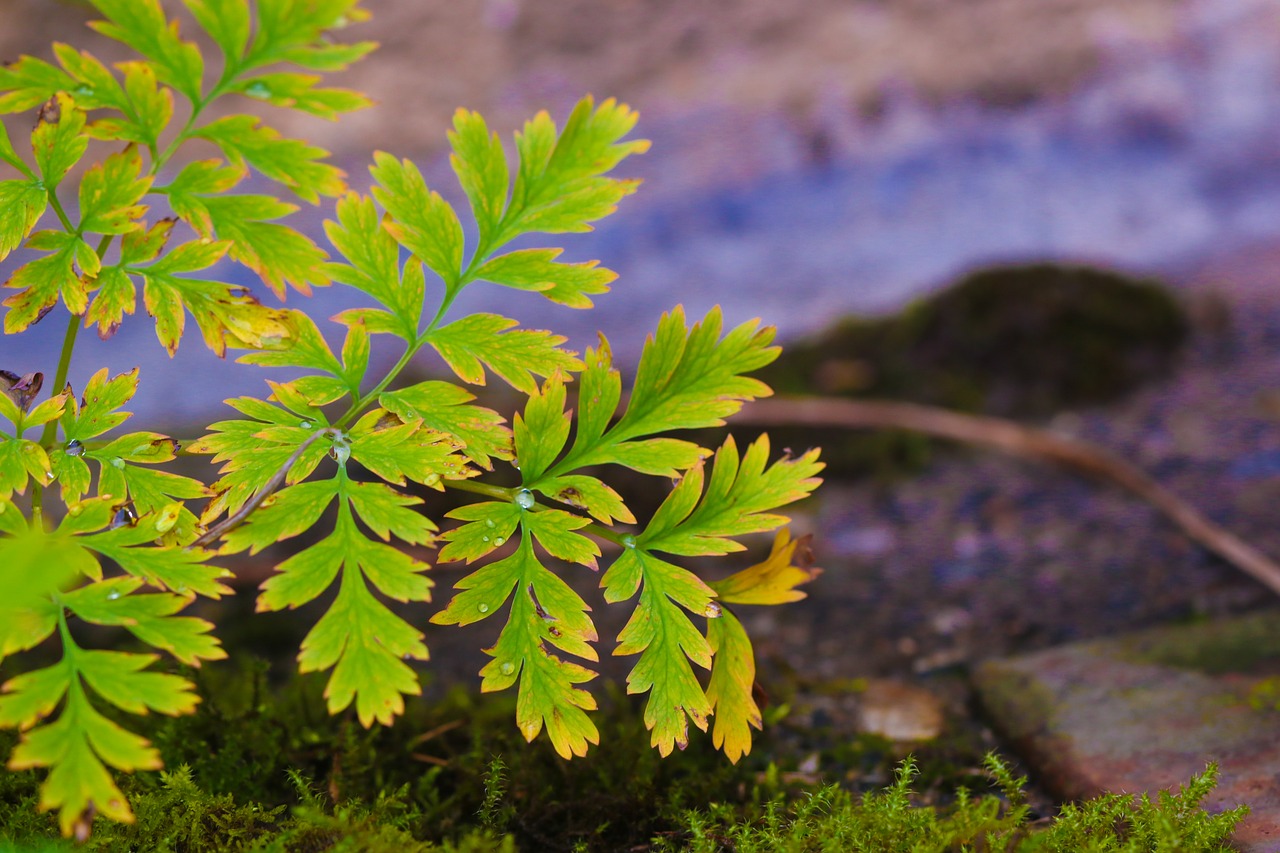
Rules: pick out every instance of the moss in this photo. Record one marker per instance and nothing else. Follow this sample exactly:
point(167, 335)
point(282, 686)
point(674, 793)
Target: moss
point(1017, 341)
point(1245, 645)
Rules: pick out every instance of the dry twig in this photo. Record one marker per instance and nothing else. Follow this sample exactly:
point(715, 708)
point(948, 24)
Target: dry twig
point(1018, 440)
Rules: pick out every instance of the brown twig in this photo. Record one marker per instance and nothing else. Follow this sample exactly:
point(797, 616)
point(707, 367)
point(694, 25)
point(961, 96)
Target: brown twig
point(1018, 440)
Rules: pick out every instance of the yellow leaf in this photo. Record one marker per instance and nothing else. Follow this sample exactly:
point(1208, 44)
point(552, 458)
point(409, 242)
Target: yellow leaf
point(773, 581)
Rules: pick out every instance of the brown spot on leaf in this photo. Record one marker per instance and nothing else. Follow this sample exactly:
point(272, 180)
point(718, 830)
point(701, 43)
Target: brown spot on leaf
point(51, 112)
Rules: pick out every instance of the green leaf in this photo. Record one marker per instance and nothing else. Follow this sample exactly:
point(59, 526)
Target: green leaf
point(541, 432)
point(252, 454)
point(536, 270)
point(226, 21)
point(490, 525)
point(516, 357)
point(687, 379)
point(148, 111)
point(115, 297)
point(733, 674)
point(20, 458)
point(90, 82)
point(22, 203)
point(481, 167)
point(298, 33)
point(180, 570)
point(421, 220)
point(545, 612)
point(278, 254)
point(386, 511)
point(359, 637)
point(738, 499)
point(285, 514)
point(30, 82)
point(141, 25)
point(374, 266)
point(399, 450)
point(307, 348)
point(558, 187)
point(442, 406)
point(290, 162)
point(109, 195)
point(75, 748)
point(300, 92)
point(188, 191)
point(41, 282)
point(660, 631)
point(95, 413)
point(58, 140)
point(590, 494)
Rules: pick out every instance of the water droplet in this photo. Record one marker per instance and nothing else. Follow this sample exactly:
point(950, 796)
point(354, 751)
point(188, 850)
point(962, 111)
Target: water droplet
point(258, 89)
point(507, 667)
point(406, 656)
point(117, 462)
point(628, 541)
point(498, 542)
point(306, 425)
point(712, 610)
point(113, 595)
point(488, 522)
point(75, 448)
point(82, 91)
point(73, 510)
point(483, 608)
point(524, 499)
point(484, 538)
point(48, 475)
point(124, 516)
point(341, 449)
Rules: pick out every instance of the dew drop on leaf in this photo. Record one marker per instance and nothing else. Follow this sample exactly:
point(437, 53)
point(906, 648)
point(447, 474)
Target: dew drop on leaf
point(82, 91)
point(488, 522)
point(258, 90)
point(484, 538)
point(305, 424)
point(712, 610)
point(628, 541)
point(498, 542)
point(113, 595)
point(524, 499)
point(507, 667)
point(124, 516)
point(483, 608)
point(75, 448)
point(48, 475)
point(117, 462)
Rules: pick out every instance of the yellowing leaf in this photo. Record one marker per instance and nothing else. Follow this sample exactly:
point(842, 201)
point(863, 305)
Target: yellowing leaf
point(733, 675)
point(516, 357)
point(774, 580)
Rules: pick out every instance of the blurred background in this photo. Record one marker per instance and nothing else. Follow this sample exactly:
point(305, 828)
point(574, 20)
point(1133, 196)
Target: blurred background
point(810, 159)
point(816, 159)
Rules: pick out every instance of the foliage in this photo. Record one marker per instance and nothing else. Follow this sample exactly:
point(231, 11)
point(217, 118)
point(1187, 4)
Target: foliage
point(888, 821)
point(348, 788)
point(337, 451)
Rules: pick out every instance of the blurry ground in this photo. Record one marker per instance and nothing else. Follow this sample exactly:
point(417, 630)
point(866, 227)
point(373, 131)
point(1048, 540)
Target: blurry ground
point(506, 58)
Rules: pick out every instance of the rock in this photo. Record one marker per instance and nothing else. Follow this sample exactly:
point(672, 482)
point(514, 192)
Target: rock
point(1145, 711)
point(899, 712)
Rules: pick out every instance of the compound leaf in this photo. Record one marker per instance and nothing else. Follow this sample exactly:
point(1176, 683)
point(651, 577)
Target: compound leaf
point(421, 220)
point(516, 357)
point(443, 406)
point(537, 270)
point(141, 24)
point(291, 162)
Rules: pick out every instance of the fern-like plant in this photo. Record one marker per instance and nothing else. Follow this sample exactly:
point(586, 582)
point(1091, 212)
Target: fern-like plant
point(128, 545)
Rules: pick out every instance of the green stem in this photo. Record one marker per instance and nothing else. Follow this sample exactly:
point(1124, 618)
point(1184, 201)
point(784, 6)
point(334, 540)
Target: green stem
point(476, 488)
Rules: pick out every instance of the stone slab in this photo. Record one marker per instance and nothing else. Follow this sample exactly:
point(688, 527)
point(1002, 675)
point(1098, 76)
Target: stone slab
point(1145, 711)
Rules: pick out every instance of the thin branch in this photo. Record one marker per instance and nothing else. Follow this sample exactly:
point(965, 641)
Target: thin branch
point(1018, 440)
point(237, 518)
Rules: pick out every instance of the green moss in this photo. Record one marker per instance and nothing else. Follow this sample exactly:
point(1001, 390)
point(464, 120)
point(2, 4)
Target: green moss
point(1018, 341)
point(1246, 645)
point(263, 768)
